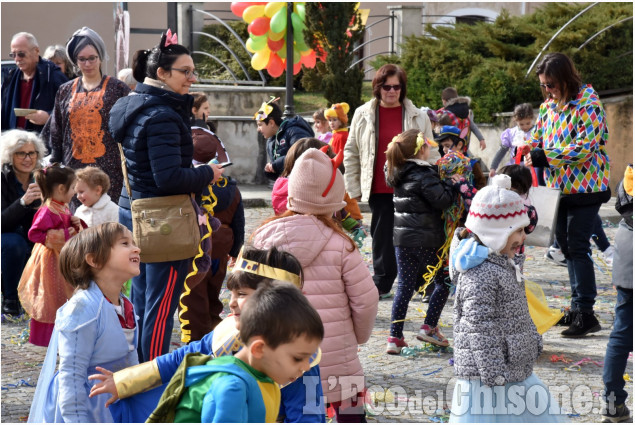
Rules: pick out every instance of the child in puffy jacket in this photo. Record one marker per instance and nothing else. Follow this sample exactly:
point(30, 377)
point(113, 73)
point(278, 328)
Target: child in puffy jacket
point(495, 340)
point(336, 280)
point(350, 216)
point(420, 196)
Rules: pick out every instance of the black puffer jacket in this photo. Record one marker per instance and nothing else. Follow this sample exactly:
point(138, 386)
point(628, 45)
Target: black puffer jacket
point(153, 126)
point(291, 130)
point(420, 198)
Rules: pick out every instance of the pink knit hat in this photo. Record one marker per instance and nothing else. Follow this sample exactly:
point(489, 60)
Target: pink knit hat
point(496, 212)
point(316, 186)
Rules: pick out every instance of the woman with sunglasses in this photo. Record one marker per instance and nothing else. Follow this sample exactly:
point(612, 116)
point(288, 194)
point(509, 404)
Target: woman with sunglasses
point(569, 139)
point(374, 125)
point(21, 153)
point(153, 127)
point(77, 131)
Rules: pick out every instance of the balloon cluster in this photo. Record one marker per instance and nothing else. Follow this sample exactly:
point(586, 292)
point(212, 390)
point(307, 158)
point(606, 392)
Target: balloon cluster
point(268, 32)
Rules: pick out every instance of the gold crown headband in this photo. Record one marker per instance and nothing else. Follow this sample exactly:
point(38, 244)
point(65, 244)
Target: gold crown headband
point(265, 109)
point(264, 270)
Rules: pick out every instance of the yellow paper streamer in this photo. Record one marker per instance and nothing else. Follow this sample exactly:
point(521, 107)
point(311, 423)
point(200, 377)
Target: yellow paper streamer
point(208, 203)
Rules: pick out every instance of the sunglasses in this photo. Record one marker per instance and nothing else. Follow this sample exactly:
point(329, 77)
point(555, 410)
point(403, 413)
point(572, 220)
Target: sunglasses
point(388, 87)
point(89, 59)
point(548, 86)
point(13, 55)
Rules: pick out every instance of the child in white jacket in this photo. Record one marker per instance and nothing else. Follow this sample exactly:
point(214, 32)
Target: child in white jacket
point(92, 187)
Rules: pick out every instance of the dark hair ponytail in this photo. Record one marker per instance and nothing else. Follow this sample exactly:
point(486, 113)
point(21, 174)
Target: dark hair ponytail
point(48, 178)
point(145, 63)
point(139, 61)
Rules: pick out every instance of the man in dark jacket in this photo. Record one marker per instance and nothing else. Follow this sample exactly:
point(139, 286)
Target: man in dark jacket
point(32, 85)
point(280, 135)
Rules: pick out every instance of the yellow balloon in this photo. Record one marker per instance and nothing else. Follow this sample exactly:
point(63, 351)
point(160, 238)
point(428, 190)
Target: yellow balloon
point(260, 59)
point(253, 12)
point(249, 45)
point(275, 36)
point(272, 7)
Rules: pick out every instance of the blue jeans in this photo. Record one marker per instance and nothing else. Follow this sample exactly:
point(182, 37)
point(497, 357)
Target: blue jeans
point(155, 295)
point(574, 226)
point(620, 344)
point(599, 237)
point(15, 253)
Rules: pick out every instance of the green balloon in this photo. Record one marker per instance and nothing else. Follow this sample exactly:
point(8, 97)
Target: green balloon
point(301, 45)
point(301, 11)
point(296, 55)
point(298, 24)
point(283, 51)
point(279, 21)
point(258, 41)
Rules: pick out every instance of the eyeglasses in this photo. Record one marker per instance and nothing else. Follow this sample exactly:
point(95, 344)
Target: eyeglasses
point(22, 155)
point(388, 87)
point(89, 59)
point(12, 55)
point(188, 72)
point(548, 86)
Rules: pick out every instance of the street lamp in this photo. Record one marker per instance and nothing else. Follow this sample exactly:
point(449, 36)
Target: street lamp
point(288, 107)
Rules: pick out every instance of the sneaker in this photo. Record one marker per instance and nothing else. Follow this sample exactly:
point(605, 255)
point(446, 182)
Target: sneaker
point(385, 296)
point(556, 256)
point(583, 323)
point(395, 345)
point(620, 414)
point(607, 254)
point(568, 317)
point(432, 336)
point(425, 298)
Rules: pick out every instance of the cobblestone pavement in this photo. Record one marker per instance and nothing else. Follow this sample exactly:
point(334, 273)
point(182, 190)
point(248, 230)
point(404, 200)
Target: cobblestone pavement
point(403, 389)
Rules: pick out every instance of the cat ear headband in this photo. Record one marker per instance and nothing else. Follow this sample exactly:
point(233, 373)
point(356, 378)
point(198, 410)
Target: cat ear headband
point(265, 109)
point(337, 161)
point(168, 39)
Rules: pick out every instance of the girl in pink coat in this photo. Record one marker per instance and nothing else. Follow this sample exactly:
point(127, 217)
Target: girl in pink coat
point(336, 280)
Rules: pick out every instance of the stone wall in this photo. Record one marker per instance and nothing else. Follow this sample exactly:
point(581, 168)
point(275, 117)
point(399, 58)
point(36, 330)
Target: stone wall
point(232, 110)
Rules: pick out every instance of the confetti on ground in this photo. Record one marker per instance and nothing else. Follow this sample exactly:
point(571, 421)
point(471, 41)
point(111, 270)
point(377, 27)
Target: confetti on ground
point(21, 383)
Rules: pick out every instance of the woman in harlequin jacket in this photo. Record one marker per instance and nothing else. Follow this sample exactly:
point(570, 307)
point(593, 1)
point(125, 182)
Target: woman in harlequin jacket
point(569, 139)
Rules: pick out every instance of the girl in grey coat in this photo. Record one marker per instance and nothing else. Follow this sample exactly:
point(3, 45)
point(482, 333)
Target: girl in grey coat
point(495, 341)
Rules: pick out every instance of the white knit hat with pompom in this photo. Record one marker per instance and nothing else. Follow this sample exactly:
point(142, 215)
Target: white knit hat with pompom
point(496, 212)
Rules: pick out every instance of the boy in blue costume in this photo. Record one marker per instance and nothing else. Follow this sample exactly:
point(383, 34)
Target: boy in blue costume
point(140, 388)
point(281, 331)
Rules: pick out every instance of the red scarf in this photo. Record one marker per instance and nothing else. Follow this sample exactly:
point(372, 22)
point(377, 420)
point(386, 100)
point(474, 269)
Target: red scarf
point(127, 322)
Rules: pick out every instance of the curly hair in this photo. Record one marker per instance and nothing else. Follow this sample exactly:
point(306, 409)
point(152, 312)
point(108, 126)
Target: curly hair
point(94, 177)
point(13, 140)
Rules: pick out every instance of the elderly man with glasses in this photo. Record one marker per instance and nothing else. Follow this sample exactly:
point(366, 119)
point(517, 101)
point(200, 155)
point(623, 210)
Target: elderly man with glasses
point(32, 85)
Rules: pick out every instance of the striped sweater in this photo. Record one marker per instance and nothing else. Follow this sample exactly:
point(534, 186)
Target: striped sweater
point(574, 142)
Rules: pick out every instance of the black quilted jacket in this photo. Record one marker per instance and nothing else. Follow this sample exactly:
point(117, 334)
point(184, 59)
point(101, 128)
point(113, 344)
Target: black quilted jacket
point(420, 197)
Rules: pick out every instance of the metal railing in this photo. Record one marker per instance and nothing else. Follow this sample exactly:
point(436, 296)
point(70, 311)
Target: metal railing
point(236, 80)
point(384, 18)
